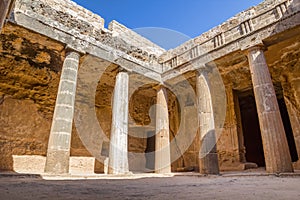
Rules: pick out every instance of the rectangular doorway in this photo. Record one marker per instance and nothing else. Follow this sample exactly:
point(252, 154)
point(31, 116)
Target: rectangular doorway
point(251, 131)
point(150, 151)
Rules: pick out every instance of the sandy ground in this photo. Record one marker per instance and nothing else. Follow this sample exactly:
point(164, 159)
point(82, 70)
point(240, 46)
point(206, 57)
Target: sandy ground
point(178, 187)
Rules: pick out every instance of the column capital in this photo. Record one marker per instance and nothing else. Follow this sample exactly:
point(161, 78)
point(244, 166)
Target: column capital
point(251, 41)
point(261, 47)
point(203, 71)
point(159, 87)
point(121, 69)
point(70, 49)
point(257, 47)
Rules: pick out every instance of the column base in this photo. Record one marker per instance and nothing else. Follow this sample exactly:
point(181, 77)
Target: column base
point(296, 165)
point(128, 173)
point(283, 168)
point(209, 164)
point(57, 162)
point(101, 166)
point(166, 170)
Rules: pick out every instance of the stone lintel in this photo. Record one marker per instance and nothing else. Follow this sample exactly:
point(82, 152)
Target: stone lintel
point(70, 48)
point(256, 37)
point(251, 42)
point(85, 44)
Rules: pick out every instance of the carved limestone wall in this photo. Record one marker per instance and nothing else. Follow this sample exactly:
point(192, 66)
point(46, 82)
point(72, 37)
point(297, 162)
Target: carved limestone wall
point(32, 50)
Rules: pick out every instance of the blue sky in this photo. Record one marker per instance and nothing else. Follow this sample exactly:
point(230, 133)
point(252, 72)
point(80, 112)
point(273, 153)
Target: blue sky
point(189, 18)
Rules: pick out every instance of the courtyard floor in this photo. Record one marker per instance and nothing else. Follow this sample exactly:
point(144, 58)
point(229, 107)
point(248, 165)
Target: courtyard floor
point(146, 186)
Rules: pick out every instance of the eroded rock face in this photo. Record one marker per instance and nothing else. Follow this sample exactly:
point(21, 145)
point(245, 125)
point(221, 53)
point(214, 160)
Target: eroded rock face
point(24, 130)
point(29, 69)
point(30, 66)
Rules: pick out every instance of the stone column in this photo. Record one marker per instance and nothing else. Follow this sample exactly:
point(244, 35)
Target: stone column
point(162, 138)
point(58, 153)
point(118, 151)
point(208, 157)
point(275, 144)
point(5, 6)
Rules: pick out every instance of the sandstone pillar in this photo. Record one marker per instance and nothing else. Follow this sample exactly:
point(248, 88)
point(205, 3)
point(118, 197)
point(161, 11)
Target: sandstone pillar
point(5, 6)
point(162, 138)
point(208, 157)
point(118, 151)
point(58, 153)
point(275, 144)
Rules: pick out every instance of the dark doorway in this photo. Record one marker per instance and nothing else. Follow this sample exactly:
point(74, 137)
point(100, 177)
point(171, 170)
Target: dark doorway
point(288, 129)
point(251, 130)
point(150, 151)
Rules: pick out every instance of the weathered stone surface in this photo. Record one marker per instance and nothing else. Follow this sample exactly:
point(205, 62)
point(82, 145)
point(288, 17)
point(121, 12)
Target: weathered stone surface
point(261, 19)
point(32, 50)
point(28, 91)
point(275, 144)
point(29, 164)
point(190, 157)
point(29, 67)
point(36, 164)
point(162, 135)
point(282, 59)
point(24, 130)
point(59, 144)
point(91, 38)
point(143, 45)
point(118, 151)
point(208, 158)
